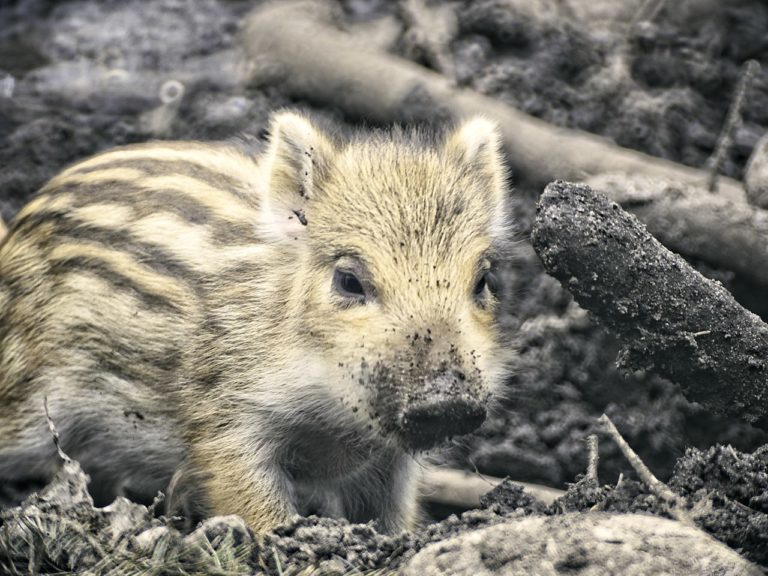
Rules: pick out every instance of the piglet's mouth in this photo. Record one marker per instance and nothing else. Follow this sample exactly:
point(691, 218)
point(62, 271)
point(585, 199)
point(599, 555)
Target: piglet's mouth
point(425, 423)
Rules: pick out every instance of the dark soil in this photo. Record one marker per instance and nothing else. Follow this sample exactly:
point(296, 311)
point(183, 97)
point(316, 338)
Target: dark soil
point(80, 76)
point(60, 530)
point(664, 88)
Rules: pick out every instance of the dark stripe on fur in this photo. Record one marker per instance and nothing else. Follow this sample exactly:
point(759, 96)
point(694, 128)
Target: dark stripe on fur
point(158, 167)
point(151, 255)
point(121, 282)
point(148, 202)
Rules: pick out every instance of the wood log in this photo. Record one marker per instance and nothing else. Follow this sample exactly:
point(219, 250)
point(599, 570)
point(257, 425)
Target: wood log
point(321, 63)
point(727, 235)
point(669, 318)
point(464, 489)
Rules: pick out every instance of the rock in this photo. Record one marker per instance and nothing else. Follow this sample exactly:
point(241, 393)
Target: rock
point(596, 543)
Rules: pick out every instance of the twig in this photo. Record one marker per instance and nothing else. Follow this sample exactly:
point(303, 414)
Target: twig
point(158, 499)
point(55, 433)
point(594, 457)
point(656, 486)
point(646, 13)
point(732, 121)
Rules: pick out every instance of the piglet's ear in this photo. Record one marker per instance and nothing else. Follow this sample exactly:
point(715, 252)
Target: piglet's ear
point(297, 154)
point(477, 142)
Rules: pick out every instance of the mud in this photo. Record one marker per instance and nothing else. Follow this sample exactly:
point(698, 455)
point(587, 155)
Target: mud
point(662, 86)
point(59, 529)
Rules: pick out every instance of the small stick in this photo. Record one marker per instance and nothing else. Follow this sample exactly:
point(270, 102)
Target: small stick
point(646, 13)
point(732, 121)
point(158, 499)
point(594, 457)
point(277, 561)
point(55, 433)
point(661, 490)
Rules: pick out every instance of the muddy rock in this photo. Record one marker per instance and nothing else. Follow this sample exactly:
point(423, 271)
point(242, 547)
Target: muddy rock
point(671, 319)
point(585, 543)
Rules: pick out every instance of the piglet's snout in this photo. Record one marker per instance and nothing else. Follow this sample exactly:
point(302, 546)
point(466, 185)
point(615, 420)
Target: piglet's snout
point(444, 408)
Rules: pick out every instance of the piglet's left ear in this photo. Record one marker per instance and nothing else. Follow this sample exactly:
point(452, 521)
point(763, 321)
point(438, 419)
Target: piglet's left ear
point(477, 142)
point(297, 149)
point(297, 153)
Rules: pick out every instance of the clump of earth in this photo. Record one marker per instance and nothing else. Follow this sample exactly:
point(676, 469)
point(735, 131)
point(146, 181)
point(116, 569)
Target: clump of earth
point(59, 529)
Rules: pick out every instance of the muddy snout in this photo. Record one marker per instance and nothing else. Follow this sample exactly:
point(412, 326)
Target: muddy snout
point(443, 409)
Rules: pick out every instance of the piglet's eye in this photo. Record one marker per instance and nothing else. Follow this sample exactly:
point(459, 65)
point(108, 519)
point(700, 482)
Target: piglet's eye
point(348, 285)
point(481, 284)
point(487, 281)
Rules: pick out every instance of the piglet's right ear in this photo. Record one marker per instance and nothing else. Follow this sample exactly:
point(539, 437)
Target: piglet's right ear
point(297, 153)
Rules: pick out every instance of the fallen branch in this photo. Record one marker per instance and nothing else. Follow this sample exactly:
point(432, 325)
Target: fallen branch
point(677, 504)
point(728, 235)
point(670, 319)
point(321, 63)
point(464, 489)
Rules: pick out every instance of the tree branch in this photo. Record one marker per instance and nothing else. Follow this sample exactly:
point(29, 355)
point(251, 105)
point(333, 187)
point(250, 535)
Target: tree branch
point(670, 319)
point(321, 63)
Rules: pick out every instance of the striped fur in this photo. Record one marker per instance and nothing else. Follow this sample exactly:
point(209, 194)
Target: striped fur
point(174, 303)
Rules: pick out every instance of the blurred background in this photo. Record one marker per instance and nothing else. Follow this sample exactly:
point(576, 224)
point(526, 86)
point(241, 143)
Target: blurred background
point(77, 77)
